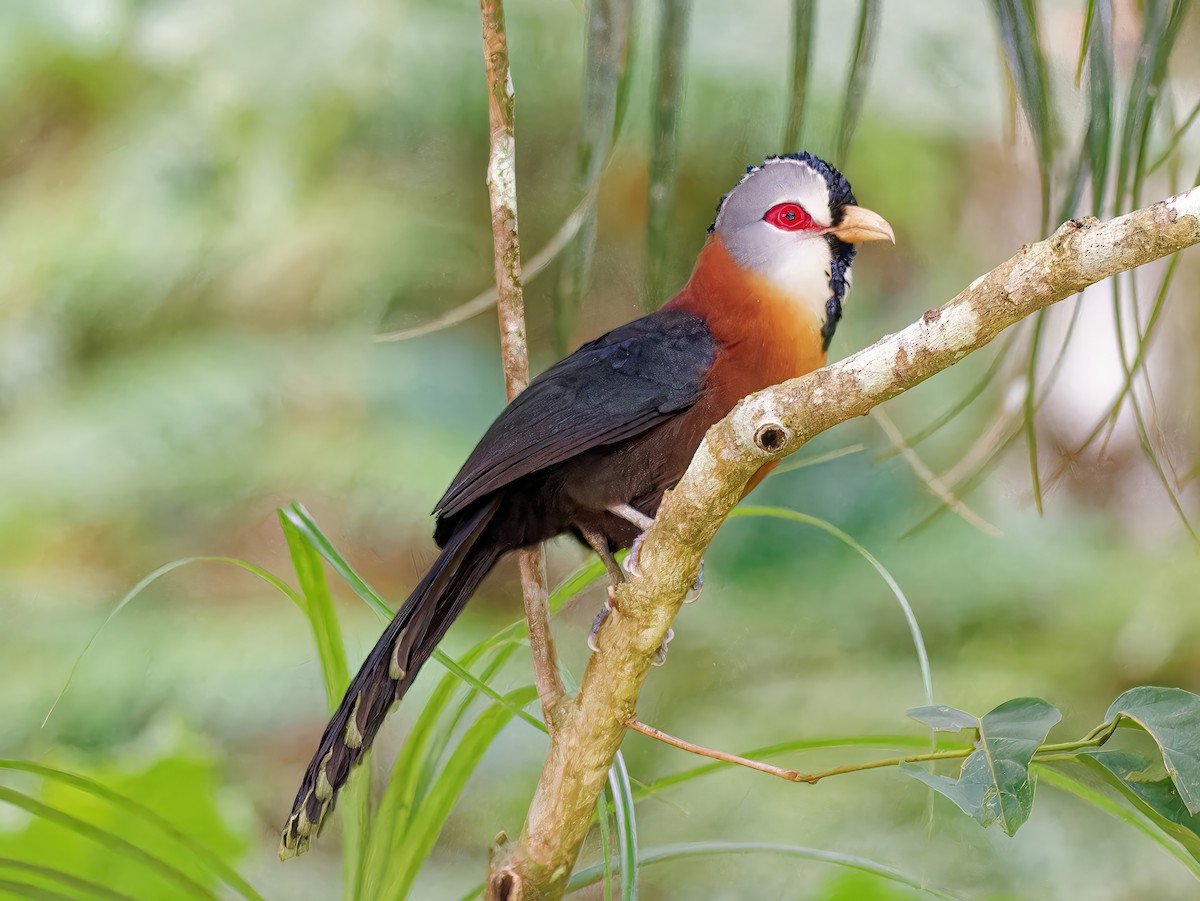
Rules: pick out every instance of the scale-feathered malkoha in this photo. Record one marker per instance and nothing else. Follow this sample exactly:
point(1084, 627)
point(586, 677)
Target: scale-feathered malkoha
point(595, 440)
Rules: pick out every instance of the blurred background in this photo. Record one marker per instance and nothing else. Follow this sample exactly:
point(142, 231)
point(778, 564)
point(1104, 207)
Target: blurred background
point(208, 209)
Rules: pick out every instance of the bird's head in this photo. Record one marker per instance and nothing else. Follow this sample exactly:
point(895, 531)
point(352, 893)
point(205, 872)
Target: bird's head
point(794, 221)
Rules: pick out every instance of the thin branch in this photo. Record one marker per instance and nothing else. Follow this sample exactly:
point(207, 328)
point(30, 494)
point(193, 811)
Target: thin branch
point(929, 477)
point(1093, 739)
point(637, 726)
point(1080, 253)
point(502, 192)
point(486, 299)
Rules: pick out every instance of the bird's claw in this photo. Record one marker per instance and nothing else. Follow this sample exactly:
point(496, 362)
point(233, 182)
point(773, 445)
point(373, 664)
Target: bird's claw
point(660, 656)
point(599, 621)
point(630, 563)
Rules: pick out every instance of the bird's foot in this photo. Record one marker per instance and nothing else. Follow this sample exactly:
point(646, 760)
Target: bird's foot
point(599, 621)
point(630, 563)
point(660, 656)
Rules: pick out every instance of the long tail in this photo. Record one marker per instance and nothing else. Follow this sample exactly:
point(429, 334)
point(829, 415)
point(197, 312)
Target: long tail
point(388, 672)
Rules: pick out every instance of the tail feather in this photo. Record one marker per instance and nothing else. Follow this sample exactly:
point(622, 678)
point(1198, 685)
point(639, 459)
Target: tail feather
point(388, 671)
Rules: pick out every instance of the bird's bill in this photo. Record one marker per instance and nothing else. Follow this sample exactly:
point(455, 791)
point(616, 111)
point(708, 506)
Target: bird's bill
point(860, 224)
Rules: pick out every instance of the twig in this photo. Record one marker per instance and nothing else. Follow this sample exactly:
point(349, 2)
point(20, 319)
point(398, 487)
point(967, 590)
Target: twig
point(486, 299)
point(502, 192)
point(1093, 739)
point(637, 726)
point(929, 477)
point(1079, 254)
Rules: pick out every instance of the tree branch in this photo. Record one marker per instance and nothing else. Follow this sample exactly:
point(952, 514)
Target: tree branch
point(765, 427)
point(502, 192)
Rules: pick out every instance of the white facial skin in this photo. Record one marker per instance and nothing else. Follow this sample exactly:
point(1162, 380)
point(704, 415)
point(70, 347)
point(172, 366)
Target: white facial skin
point(798, 263)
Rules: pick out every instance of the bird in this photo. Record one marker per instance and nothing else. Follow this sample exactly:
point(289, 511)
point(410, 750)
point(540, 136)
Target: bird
point(591, 445)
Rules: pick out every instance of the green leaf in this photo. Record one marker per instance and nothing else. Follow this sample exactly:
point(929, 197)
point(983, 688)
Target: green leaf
point(136, 816)
point(943, 718)
point(994, 785)
point(405, 860)
point(1151, 791)
point(83, 832)
point(1172, 717)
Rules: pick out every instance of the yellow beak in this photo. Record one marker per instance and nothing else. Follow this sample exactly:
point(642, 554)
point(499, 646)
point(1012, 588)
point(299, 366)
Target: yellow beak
point(860, 224)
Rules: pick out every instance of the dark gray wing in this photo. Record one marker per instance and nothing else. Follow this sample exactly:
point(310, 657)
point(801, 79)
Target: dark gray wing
point(623, 383)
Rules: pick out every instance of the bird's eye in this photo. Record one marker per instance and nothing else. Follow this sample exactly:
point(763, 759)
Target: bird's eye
point(789, 217)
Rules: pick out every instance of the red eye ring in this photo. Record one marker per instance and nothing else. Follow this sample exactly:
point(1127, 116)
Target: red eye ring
point(790, 217)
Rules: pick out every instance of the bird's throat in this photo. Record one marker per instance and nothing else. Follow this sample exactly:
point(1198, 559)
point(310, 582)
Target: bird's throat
point(768, 334)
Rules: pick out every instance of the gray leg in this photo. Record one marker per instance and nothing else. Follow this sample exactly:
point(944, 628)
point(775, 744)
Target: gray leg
point(616, 576)
point(629, 514)
point(598, 543)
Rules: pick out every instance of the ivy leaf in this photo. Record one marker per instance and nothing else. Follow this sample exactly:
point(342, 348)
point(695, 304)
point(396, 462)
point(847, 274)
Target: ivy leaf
point(1150, 790)
point(994, 785)
point(943, 718)
point(1172, 717)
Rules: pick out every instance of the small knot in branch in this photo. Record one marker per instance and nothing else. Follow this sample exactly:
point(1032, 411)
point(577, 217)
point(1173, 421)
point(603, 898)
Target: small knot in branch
point(771, 437)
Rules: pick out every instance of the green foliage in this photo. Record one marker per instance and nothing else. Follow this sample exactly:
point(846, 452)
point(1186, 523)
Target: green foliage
point(994, 785)
point(151, 832)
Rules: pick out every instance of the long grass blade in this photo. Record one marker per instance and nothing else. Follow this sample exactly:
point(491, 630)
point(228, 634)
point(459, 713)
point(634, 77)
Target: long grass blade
point(929, 477)
point(405, 785)
point(105, 839)
point(605, 843)
point(664, 853)
point(606, 61)
point(627, 843)
point(952, 413)
point(1101, 93)
point(1176, 137)
point(331, 652)
point(1161, 21)
point(1089, 15)
point(664, 142)
point(830, 529)
point(102, 792)
point(404, 862)
point(34, 892)
point(1018, 21)
point(301, 518)
point(65, 879)
point(803, 32)
point(1065, 782)
point(866, 35)
point(150, 579)
point(1030, 408)
point(318, 607)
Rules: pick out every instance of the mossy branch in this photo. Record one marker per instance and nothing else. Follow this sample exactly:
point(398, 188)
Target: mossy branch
point(766, 427)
